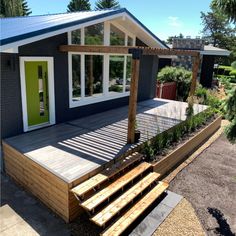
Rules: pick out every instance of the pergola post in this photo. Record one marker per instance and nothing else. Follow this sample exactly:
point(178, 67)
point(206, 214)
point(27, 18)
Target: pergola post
point(195, 67)
point(136, 54)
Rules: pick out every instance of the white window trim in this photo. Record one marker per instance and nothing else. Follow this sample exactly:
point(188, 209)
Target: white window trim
point(106, 94)
point(51, 93)
point(106, 57)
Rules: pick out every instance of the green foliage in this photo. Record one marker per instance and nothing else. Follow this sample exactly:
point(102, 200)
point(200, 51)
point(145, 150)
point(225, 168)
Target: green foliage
point(218, 31)
point(230, 131)
point(165, 139)
point(107, 4)
point(230, 113)
point(181, 76)
point(78, 5)
point(228, 7)
point(12, 8)
point(233, 65)
point(208, 97)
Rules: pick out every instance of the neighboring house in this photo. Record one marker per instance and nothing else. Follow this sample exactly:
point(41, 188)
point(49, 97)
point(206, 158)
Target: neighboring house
point(207, 52)
point(42, 86)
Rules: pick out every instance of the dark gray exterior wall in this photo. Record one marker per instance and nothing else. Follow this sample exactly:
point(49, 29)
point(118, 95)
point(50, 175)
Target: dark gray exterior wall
point(207, 71)
point(11, 109)
point(147, 77)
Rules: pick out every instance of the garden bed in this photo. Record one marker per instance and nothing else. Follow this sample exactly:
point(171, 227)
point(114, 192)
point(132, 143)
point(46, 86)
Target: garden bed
point(163, 164)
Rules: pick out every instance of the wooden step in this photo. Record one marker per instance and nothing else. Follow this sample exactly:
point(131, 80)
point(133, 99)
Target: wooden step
point(132, 214)
point(117, 185)
point(98, 179)
point(116, 206)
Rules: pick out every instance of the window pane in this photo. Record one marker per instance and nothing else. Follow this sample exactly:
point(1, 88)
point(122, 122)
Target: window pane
point(116, 79)
point(117, 37)
point(93, 75)
point(76, 37)
point(94, 34)
point(76, 80)
point(128, 73)
point(130, 41)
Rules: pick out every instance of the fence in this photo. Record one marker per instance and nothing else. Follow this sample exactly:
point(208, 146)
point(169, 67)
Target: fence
point(166, 90)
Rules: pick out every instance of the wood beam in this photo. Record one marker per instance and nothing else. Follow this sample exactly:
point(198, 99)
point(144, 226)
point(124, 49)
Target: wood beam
point(195, 68)
point(136, 53)
point(173, 52)
point(94, 49)
point(125, 50)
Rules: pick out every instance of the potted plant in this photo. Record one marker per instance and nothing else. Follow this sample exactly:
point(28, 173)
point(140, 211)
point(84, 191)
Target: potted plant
point(137, 133)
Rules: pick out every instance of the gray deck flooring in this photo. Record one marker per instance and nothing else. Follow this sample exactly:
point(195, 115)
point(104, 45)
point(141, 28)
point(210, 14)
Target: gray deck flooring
point(76, 148)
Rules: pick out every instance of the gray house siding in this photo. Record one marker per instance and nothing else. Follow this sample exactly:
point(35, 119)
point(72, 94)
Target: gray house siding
point(11, 109)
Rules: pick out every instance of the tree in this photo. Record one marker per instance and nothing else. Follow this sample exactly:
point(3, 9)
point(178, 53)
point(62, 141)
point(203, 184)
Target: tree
point(26, 10)
point(219, 32)
point(79, 5)
point(106, 4)
point(170, 38)
point(11, 8)
point(228, 7)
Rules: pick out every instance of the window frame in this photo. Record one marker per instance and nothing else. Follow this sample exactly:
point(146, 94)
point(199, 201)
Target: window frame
point(106, 61)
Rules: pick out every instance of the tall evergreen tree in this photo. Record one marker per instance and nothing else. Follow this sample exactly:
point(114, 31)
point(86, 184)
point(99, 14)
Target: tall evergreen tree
point(79, 5)
point(105, 4)
point(26, 10)
point(219, 32)
point(11, 8)
point(228, 7)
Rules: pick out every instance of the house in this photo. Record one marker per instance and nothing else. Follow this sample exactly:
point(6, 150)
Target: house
point(42, 86)
point(208, 54)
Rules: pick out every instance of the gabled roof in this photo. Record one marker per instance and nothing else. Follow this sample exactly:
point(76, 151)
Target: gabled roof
point(16, 29)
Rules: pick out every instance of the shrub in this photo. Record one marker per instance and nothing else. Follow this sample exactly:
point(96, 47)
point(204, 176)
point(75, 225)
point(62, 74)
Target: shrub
point(173, 135)
point(233, 65)
point(179, 75)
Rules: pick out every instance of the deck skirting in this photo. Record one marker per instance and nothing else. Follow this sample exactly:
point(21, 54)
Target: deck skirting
point(47, 187)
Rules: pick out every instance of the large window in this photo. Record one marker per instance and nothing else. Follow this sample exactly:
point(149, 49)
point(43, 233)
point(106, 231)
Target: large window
point(93, 75)
point(117, 37)
point(99, 77)
point(76, 80)
point(94, 34)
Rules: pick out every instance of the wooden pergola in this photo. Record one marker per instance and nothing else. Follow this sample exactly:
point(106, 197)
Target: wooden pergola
point(137, 53)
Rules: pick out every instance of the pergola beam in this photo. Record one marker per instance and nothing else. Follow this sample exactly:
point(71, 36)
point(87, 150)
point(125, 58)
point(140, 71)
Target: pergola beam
point(125, 50)
point(136, 53)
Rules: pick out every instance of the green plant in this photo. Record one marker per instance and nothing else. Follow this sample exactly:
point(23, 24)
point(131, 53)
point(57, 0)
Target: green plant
point(233, 65)
point(149, 151)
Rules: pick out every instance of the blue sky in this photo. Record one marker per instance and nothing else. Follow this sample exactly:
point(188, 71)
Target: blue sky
point(163, 18)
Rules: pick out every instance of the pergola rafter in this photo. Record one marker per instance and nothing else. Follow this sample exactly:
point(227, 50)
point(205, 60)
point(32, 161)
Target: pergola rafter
point(136, 53)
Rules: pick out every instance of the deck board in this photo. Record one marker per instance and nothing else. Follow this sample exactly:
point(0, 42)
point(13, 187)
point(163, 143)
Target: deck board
point(73, 149)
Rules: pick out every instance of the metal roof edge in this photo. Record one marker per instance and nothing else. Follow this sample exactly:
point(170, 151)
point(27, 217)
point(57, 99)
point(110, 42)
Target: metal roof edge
point(58, 27)
point(14, 39)
point(143, 26)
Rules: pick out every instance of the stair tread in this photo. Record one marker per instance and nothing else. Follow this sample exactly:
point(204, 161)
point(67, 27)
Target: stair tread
point(105, 193)
point(94, 181)
point(133, 213)
point(111, 210)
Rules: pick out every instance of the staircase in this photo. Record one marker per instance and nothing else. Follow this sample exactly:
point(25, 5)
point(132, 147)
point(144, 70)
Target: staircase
point(116, 197)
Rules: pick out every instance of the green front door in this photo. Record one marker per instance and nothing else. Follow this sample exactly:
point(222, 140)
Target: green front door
point(36, 80)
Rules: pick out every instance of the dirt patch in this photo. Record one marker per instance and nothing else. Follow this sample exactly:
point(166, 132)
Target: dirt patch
point(209, 183)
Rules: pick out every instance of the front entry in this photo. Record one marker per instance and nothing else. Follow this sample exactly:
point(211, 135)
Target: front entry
point(36, 81)
point(37, 99)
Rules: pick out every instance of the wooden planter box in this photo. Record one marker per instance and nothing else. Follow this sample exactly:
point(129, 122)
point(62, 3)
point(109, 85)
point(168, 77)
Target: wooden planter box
point(180, 154)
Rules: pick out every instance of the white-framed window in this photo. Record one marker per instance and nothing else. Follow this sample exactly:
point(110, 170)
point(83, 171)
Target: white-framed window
point(96, 77)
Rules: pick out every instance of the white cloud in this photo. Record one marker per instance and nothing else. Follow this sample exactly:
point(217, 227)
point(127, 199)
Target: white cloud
point(174, 21)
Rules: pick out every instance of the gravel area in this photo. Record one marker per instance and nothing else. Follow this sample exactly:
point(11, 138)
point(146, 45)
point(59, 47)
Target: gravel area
point(181, 221)
point(209, 184)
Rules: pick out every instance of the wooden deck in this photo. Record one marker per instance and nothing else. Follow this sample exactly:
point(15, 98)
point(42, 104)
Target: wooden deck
point(74, 149)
